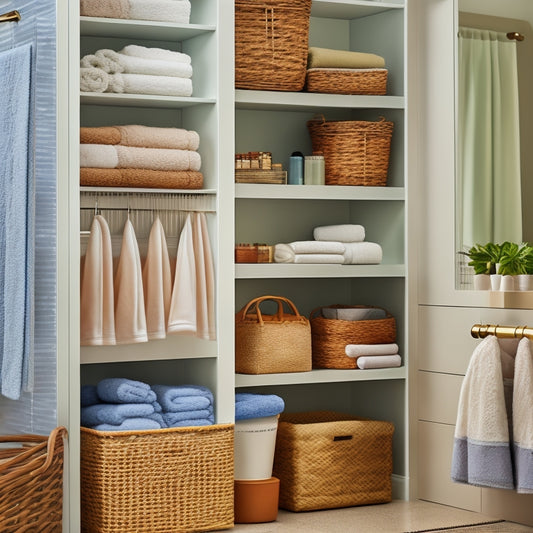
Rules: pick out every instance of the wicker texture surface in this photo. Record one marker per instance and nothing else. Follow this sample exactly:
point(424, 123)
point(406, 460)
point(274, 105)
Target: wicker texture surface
point(271, 44)
point(355, 152)
point(347, 81)
point(327, 460)
point(268, 344)
point(330, 337)
point(167, 480)
point(31, 483)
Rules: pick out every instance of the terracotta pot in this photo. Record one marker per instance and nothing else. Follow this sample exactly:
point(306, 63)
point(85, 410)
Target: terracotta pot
point(256, 500)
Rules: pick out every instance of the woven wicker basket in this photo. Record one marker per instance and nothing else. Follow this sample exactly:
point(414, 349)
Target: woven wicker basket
point(326, 460)
point(166, 480)
point(347, 81)
point(271, 44)
point(31, 483)
point(355, 152)
point(330, 336)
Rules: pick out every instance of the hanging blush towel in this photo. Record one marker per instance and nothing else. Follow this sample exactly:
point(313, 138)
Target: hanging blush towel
point(182, 314)
point(157, 283)
point(97, 314)
point(130, 318)
point(205, 280)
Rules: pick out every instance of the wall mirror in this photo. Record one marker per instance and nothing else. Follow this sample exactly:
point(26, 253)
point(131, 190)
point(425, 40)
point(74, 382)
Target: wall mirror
point(494, 125)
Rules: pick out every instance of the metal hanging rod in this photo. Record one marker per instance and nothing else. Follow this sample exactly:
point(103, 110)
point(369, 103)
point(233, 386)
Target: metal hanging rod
point(480, 331)
point(150, 209)
point(514, 35)
point(12, 16)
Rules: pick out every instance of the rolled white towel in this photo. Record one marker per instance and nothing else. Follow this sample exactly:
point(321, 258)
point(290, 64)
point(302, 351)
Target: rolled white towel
point(317, 247)
point(98, 155)
point(379, 361)
point(155, 53)
point(143, 84)
point(99, 60)
point(93, 80)
point(283, 253)
point(362, 253)
point(340, 232)
point(113, 62)
point(358, 350)
point(161, 10)
point(302, 259)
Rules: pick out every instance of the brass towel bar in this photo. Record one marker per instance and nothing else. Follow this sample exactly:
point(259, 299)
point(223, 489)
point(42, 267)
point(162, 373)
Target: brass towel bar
point(12, 16)
point(480, 331)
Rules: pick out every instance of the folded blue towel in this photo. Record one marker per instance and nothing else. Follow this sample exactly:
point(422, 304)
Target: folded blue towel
point(158, 417)
point(114, 414)
point(130, 424)
point(123, 390)
point(194, 422)
point(89, 395)
point(157, 407)
point(172, 419)
point(249, 405)
point(172, 398)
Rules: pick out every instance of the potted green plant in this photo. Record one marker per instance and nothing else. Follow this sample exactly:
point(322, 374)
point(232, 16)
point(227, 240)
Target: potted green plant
point(483, 259)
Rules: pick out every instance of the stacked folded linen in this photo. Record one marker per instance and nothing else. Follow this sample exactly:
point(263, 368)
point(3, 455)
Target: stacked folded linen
point(374, 355)
point(137, 70)
point(140, 156)
point(156, 10)
point(338, 244)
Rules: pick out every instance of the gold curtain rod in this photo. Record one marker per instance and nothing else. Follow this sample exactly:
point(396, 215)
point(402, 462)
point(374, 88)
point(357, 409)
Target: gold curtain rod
point(480, 331)
point(515, 35)
point(12, 16)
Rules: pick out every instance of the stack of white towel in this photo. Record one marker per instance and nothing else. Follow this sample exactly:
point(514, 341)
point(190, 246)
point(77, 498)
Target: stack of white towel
point(374, 355)
point(178, 11)
point(342, 244)
point(137, 70)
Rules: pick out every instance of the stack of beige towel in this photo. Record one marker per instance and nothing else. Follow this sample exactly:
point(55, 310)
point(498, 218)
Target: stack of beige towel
point(157, 10)
point(140, 156)
point(137, 70)
point(138, 300)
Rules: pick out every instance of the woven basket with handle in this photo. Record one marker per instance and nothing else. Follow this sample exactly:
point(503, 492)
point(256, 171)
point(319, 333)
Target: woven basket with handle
point(271, 44)
point(31, 482)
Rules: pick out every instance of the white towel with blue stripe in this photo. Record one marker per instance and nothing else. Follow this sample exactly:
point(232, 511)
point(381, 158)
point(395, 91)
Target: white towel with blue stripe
point(16, 223)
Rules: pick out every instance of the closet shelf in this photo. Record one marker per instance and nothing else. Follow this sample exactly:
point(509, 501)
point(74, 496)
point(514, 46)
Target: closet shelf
point(348, 9)
point(133, 191)
point(301, 101)
point(141, 29)
point(284, 270)
point(319, 376)
point(143, 100)
point(322, 192)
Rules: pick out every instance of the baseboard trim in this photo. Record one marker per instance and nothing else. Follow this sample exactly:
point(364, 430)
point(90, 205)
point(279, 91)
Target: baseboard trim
point(400, 487)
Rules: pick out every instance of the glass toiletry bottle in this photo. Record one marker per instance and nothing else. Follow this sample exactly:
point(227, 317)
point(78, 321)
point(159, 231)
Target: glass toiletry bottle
point(296, 169)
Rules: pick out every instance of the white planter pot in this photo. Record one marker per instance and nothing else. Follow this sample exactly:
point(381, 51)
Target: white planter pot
point(495, 281)
point(481, 282)
point(523, 282)
point(507, 283)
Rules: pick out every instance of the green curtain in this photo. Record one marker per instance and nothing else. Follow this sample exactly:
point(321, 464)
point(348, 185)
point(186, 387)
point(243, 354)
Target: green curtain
point(489, 200)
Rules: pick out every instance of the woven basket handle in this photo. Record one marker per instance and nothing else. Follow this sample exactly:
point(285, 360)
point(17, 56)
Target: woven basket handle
point(254, 304)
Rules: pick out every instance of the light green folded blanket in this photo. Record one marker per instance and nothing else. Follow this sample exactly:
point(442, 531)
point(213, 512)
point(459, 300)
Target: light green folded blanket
point(327, 58)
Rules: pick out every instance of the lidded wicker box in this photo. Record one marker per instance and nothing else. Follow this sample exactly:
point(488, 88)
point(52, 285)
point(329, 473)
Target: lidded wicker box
point(271, 44)
point(166, 480)
point(347, 80)
point(327, 460)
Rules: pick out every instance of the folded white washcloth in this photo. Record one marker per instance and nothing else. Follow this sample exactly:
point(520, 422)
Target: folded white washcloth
point(143, 84)
point(358, 350)
point(362, 253)
point(98, 155)
point(379, 361)
point(161, 10)
point(317, 247)
point(93, 80)
point(337, 259)
point(155, 53)
point(340, 232)
point(283, 253)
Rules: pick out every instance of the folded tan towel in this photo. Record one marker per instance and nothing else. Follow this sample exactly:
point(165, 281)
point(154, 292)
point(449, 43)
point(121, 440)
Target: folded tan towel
point(328, 58)
point(116, 9)
point(141, 136)
point(140, 178)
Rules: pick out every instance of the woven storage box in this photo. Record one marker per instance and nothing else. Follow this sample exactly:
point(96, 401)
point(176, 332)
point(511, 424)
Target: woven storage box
point(326, 460)
point(355, 152)
point(166, 480)
point(347, 81)
point(271, 44)
point(31, 482)
point(330, 336)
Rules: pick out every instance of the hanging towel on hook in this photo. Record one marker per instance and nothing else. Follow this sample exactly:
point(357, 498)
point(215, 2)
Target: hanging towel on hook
point(157, 282)
point(97, 314)
point(130, 318)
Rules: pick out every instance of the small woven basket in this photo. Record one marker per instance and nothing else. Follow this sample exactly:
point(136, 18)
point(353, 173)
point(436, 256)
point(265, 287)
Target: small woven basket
point(327, 460)
point(271, 44)
point(355, 152)
point(347, 81)
point(330, 336)
point(165, 480)
point(31, 482)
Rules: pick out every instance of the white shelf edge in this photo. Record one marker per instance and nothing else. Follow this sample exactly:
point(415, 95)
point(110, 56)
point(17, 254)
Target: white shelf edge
point(321, 192)
point(124, 190)
point(319, 376)
point(142, 100)
point(284, 270)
